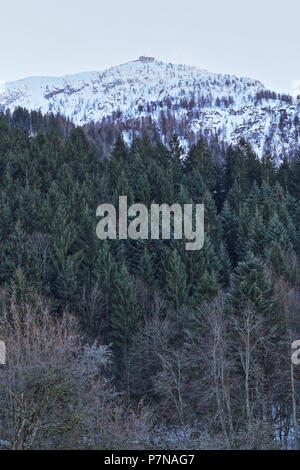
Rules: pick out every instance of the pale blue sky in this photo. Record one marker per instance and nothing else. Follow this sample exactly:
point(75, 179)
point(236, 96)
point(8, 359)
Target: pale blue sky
point(260, 39)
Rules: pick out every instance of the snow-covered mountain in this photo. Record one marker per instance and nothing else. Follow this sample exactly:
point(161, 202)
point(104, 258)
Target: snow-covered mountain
point(190, 100)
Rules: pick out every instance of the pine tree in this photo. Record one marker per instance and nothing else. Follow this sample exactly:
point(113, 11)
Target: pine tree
point(230, 232)
point(276, 232)
point(105, 273)
point(176, 165)
point(122, 189)
point(284, 175)
point(120, 150)
point(176, 282)
point(256, 240)
point(225, 266)
point(212, 222)
point(199, 158)
point(123, 321)
point(250, 286)
point(65, 263)
point(138, 179)
point(294, 177)
point(146, 267)
point(268, 169)
point(204, 267)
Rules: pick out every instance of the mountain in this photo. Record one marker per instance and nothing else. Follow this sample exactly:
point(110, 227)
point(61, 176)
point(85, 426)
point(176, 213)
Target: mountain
point(174, 98)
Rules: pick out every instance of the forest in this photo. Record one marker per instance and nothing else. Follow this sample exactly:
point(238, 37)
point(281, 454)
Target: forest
point(141, 344)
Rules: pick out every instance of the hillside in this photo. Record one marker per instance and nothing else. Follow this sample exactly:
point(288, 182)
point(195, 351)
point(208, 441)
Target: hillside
point(177, 98)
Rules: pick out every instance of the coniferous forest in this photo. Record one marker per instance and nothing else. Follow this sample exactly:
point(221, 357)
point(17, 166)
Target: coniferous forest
point(140, 344)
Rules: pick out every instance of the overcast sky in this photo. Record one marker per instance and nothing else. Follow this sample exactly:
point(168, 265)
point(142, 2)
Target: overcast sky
point(256, 38)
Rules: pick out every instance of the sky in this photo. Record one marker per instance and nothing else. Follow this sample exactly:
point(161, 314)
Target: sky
point(257, 38)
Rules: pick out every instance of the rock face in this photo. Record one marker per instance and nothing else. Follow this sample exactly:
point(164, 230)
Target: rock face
point(189, 100)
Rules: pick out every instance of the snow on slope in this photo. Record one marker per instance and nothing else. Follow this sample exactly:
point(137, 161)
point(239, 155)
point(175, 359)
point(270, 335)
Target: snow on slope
point(209, 103)
point(296, 89)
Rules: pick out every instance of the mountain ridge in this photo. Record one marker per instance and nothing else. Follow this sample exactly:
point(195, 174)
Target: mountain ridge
point(183, 99)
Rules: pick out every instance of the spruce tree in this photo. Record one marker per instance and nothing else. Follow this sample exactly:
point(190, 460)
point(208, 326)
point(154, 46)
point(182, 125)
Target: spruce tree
point(176, 282)
point(200, 158)
point(257, 238)
point(250, 286)
point(230, 232)
point(105, 271)
point(123, 321)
